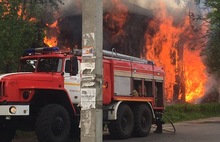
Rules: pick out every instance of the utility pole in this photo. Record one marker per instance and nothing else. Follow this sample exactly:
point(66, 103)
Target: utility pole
point(92, 71)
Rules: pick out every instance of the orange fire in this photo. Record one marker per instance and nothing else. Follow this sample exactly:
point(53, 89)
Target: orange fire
point(51, 38)
point(21, 11)
point(116, 18)
point(172, 45)
point(194, 74)
point(169, 44)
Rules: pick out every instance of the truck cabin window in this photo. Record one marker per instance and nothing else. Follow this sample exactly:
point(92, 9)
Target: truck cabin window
point(49, 65)
point(72, 69)
point(28, 65)
point(41, 65)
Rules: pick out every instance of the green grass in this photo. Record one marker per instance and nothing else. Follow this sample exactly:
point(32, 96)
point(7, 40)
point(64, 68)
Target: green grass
point(184, 112)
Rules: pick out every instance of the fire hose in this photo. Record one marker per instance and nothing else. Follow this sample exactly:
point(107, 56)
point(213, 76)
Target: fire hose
point(159, 125)
point(174, 129)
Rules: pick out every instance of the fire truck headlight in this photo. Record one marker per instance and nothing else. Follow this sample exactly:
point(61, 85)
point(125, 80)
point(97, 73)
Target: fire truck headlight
point(26, 94)
point(12, 110)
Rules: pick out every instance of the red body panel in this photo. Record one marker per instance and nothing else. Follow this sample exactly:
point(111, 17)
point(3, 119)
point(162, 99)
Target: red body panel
point(133, 70)
point(107, 82)
point(121, 65)
point(30, 81)
point(111, 67)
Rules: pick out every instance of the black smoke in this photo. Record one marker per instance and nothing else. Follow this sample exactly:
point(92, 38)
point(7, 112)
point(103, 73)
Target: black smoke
point(132, 42)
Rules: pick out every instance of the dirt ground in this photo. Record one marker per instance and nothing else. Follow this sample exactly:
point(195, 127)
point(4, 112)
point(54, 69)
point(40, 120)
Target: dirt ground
point(25, 137)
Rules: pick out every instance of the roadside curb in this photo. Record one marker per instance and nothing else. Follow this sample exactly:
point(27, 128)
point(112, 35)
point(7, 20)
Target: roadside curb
point(203, 120)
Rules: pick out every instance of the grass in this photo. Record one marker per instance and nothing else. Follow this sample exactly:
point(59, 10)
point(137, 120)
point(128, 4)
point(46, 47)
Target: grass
point(184, 112)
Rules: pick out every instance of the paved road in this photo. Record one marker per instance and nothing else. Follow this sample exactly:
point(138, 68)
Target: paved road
point(204, 130)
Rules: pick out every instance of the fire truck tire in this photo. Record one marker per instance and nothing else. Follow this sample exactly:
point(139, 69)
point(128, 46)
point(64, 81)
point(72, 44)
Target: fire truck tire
point(74, 131)
point(6, 134)
point(122, 127)
point(142, 120)
point(53, 124)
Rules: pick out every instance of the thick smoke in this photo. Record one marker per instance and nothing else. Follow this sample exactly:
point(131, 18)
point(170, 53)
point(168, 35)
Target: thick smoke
point(130, 42)
point(73, 7)
point(69, 8)
point(128, 36)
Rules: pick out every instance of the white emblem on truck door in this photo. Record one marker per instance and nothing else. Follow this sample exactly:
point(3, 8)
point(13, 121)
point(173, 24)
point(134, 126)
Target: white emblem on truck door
point(72, 84)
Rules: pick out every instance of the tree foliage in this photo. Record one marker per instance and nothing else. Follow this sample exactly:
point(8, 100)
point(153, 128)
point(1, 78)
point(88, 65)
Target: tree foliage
point(22, 24)
point(212, 51)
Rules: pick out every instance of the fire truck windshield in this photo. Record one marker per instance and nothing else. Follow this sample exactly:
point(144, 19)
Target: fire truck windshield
point(28, 65)
point(41, 65)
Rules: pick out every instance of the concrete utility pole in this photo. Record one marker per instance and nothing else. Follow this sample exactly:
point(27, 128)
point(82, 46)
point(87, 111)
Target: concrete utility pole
point(92, 72)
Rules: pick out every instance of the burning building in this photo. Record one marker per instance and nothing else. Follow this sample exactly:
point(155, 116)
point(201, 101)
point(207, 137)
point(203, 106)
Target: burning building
point(159, 30)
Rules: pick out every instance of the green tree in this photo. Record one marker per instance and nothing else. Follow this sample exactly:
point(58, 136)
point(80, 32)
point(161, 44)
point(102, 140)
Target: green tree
point(212, 50)
point(16, 34)
point(22, 24)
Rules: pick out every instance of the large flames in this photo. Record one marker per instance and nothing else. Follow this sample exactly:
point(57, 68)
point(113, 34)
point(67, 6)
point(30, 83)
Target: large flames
point(169, 41)
point(51, 34)
point(116, 18)
point(194, 75)
point(175, 47)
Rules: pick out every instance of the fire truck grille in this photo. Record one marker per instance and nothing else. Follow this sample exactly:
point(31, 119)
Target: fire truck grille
point(2, 84)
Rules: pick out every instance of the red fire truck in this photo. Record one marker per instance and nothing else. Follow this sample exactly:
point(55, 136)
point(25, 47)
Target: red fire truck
point(44, 95)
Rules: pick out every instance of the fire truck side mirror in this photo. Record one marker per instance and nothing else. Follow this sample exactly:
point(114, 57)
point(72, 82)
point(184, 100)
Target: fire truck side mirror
point(73, 66)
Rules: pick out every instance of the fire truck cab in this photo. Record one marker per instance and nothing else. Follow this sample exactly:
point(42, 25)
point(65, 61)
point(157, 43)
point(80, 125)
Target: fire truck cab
point(44, 95)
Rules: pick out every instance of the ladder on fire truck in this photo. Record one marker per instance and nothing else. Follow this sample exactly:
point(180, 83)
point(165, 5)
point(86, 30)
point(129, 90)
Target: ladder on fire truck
point(114, 54)
point(106, 54)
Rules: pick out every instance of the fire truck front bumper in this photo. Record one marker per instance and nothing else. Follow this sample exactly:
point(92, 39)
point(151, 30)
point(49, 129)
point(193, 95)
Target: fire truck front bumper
point(14, 110)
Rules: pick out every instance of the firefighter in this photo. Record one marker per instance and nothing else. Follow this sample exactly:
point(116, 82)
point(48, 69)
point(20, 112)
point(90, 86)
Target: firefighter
point(159, 115)
point(159, 123)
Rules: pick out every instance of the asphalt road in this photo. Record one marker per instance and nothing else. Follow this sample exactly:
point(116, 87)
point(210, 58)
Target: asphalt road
point(203, 130)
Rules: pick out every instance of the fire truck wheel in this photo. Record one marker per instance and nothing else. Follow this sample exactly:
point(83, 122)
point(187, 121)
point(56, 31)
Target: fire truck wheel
point(6, 134)
point(53, 124)
point(123, 126)
point(74, 131)
point(142, 120)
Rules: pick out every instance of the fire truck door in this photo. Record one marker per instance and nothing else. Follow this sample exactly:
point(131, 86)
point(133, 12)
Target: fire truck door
point(72, 83)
